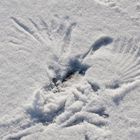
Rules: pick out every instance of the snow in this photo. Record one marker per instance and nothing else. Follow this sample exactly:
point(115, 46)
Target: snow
point(70, 70)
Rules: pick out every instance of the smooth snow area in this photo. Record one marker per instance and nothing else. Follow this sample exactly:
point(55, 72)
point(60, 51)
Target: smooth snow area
point(69, 70)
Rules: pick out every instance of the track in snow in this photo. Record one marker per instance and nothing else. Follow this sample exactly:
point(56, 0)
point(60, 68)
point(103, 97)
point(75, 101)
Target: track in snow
point(63, 101)
point(76, 91)
point(66, 103)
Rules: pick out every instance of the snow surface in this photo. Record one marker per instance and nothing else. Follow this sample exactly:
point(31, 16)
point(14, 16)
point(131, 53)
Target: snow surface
point(70, 70)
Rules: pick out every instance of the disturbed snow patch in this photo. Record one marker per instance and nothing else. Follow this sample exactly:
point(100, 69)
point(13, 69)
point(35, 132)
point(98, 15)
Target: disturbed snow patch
point(82, 87)
point(66, 103)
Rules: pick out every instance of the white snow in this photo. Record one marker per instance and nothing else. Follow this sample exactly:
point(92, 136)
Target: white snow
point(70, 70)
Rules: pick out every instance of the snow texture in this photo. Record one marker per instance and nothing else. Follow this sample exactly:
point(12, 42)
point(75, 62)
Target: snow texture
point(70, 70)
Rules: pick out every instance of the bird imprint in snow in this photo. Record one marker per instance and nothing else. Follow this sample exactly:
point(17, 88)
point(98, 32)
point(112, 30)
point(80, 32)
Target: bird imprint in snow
point(66, 102)
point(76, 90)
